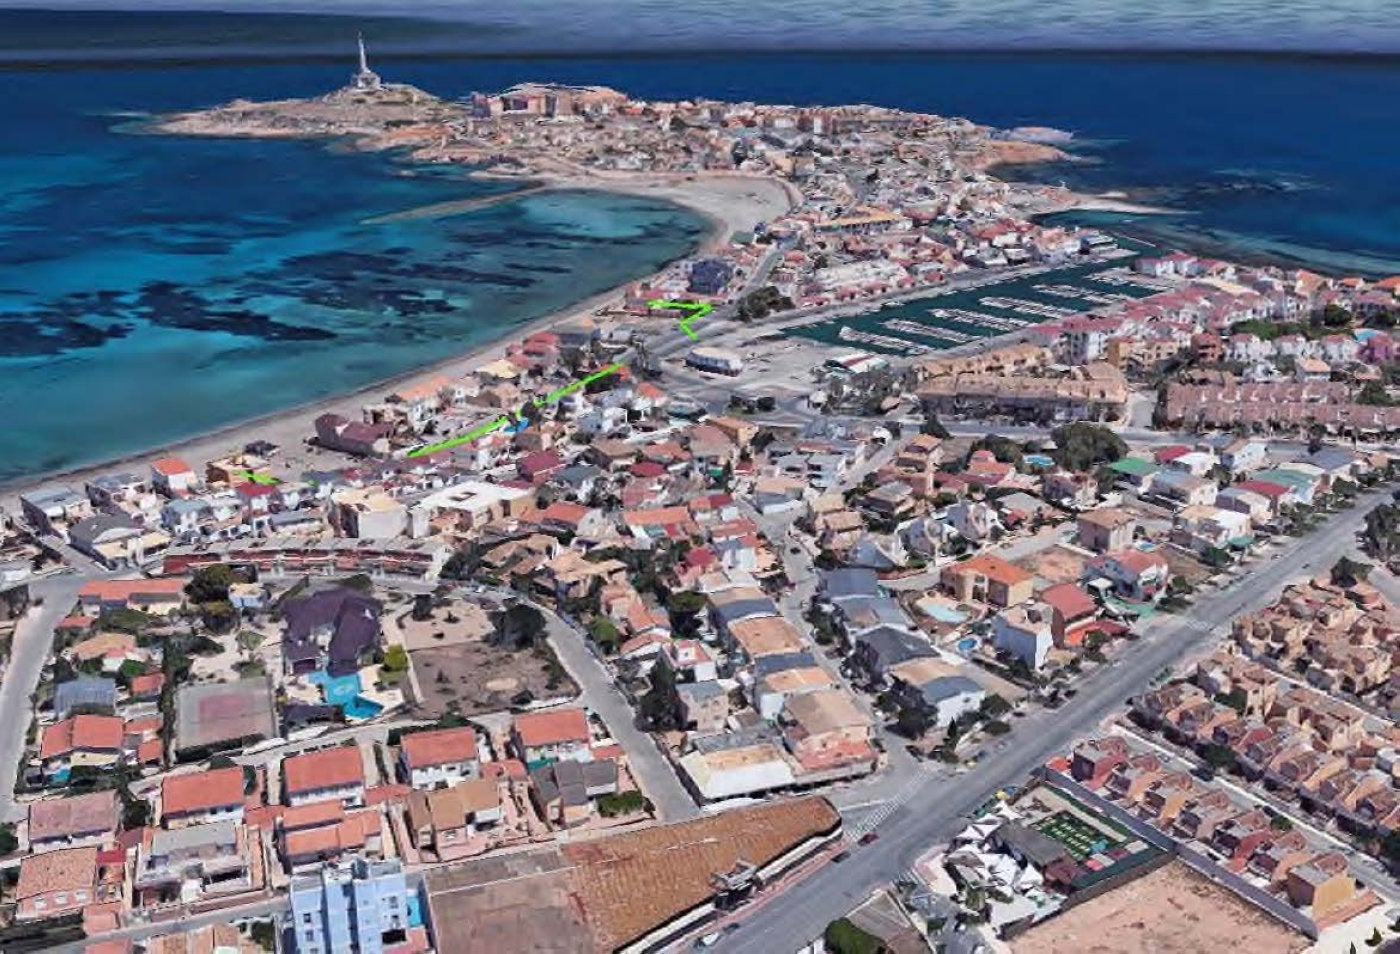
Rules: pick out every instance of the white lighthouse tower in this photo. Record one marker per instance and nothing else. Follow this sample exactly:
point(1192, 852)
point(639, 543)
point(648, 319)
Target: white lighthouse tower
point(364, 78)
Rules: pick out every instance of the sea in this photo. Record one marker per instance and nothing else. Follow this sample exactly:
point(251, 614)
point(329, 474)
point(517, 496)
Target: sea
point(153, 287)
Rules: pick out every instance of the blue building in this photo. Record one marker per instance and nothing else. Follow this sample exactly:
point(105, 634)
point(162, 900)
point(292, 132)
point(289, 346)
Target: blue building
point(708, 276)
point(356, 905)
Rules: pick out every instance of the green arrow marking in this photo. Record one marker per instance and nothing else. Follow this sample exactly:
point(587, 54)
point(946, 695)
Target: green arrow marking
point(690, 311)
point(264, 479)
point(581, 383)
point(466, 438)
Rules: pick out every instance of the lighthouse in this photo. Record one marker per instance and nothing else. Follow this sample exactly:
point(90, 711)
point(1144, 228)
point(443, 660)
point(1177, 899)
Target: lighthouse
point(364, 78)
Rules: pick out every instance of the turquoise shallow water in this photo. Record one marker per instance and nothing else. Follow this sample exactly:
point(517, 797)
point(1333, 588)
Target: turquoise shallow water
point(152, 288)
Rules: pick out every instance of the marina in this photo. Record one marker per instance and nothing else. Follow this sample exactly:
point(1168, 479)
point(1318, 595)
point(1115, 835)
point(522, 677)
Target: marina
point(979, 307)
point(930, 331)
point(1083, 294)
point(1033, 308)
point(884, 342)
point(979, 319)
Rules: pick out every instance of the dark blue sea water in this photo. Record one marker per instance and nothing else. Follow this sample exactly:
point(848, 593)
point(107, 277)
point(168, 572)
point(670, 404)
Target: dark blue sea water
point(152, 288)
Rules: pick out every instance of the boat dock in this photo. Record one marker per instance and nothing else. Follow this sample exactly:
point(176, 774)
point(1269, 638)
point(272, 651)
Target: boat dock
point(930, 331)
point(897, 345)
point(1024, 306)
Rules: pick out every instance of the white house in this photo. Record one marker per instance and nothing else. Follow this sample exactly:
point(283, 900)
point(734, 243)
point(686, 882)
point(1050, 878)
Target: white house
point(1024, 631)
point(439, 758)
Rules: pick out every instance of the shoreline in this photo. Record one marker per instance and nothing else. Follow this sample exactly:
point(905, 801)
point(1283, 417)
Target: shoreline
point(730, 203)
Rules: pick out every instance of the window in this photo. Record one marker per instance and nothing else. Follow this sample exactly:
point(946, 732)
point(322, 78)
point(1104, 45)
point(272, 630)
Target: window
point(310, 934)
point(306, 918)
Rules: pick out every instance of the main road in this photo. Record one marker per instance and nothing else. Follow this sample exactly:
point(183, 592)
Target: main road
point(935, 811)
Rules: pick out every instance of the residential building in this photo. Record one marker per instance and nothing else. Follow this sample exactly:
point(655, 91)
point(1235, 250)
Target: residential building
point(937, 688)
point(209, 796)
point(356, 905)
point(335, 774)
point(1135, 575)
point(445, 819)
point(551, 735)
point(195, 863)
point(438, 758)
point(988, 579)
point(86, 819)
point(563, 792)
point(56, 883)
point(1108, 528)
point(1025, 632)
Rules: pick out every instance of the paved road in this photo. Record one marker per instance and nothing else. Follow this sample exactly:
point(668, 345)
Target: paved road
point(934, 811)
point(33, 640)
point(652, 769)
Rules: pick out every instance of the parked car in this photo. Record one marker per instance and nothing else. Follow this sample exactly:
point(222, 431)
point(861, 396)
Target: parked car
point(869, 837)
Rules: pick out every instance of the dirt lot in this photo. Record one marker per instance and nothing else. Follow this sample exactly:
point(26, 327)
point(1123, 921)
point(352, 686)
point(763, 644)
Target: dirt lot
point(479, 677)
point(1183, 564)
point(1172, 910)
point(1055, 565)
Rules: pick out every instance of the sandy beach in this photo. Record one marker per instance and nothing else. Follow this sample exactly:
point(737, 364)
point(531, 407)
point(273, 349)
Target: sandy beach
point(731, 203)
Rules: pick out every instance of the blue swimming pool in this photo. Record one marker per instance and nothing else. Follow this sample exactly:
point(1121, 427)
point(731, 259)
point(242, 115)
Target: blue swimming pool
point(967, 645)
point(1039, 460)
point(362, 708)
point(945, 615)
point(337, 690)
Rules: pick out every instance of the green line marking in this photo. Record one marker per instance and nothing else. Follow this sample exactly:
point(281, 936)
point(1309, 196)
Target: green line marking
point(466, 438)
point(691, 311)
point(267, 480)
point(568, 389)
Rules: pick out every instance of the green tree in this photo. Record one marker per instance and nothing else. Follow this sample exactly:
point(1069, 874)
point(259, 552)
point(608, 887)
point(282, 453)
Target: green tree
point(210, 584)
point(993, 707)
point(521, 626)
point(1374, 393)
point(9, 842)
point(1082, 446)
point(933, 426)
point(218, 615)
point(844, 937)
point(605, 633)
point(249, 640)
point(1349, 572)
point(395, 658)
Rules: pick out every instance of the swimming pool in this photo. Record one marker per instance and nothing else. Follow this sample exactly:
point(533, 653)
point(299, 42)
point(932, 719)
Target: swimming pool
point(1039, 460)
point(337, 690)
point(943, 614)
point(362, 708)
point(967, 645)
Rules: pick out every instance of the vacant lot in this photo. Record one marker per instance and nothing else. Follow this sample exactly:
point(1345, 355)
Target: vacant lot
point(476, 677)
point(1054, 565)
point(1172, 910)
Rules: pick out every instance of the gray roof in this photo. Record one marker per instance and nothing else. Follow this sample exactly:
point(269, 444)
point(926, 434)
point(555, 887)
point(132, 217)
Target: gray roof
point(194, 836)
point(866, 612)
point(709, 689)
point(943, 688)
point(1330, 458)
point(743, 609)
point(845, 583)
point(779, 662)
point(52, 497)
point(84, 691)
point(889, 646)
point(571, 780)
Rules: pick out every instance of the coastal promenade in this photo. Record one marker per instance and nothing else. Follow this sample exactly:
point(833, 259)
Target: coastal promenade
point(730, 203)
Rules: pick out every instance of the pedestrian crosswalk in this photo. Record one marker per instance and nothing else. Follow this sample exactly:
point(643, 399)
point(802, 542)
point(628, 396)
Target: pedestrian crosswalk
point(900, 798)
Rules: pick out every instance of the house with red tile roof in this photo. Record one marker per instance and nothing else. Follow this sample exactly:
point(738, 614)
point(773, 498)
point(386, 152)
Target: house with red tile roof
point(1072, 613)
point(988, 579)
point(550, 735)
point(56, 883)
point(173, 477)
point(1134, 574)
point(83, 741)
point(336, 774)
point(156, 597)
point(88, 819)
point(438, 758)
point(210, 796)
